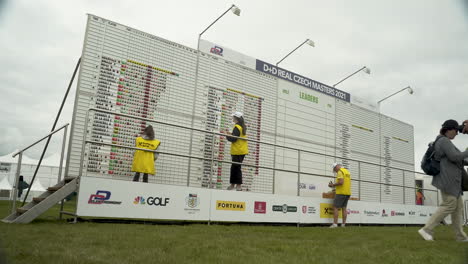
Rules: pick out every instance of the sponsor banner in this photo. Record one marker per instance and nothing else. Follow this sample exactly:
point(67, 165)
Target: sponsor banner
point(222, 52)
point(301, 80)
point(253, 207)
point(125, 199)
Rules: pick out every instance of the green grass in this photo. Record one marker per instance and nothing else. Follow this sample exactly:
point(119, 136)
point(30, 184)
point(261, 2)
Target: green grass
point(48, 240)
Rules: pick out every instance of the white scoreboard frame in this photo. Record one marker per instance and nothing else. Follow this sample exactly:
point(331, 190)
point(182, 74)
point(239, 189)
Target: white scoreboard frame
point(302, 113)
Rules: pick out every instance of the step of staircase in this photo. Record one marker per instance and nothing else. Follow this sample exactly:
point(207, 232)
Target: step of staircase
point(54, 188)
point(69, 179)
point(21, 210)
point(38, 199)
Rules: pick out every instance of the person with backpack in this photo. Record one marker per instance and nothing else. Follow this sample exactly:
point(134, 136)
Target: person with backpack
point(448, 181)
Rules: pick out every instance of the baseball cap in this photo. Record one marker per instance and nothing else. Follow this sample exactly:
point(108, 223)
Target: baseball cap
point(450, 124)
point(335, 164)
point(237, 114)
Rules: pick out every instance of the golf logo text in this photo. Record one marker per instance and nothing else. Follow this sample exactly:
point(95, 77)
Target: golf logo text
point(156, 201)
point(230, 206)
point(101, 197)
point(284, 208)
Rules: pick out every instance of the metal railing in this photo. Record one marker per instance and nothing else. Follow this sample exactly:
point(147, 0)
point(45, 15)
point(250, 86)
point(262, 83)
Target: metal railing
point(20, 157)
point(274, 169)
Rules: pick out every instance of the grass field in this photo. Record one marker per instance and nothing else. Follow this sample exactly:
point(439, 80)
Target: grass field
point(48, 240)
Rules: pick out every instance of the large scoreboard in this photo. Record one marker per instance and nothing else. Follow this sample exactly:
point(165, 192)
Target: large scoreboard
point(126, 72)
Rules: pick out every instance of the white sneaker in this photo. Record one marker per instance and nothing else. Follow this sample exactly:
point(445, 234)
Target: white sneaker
point(334, 226)
point(425, 235)
point(230, 188)
point(343, 225)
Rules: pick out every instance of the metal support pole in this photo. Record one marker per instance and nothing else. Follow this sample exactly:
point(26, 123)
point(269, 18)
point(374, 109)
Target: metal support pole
point(298, 172)
point(53, 128)
point(359, 183)
point(194, 96)
point(59, 178)
point(349, 76)
point(15, 187)
point(64, 142)
point(404, 189)
point(291, 52)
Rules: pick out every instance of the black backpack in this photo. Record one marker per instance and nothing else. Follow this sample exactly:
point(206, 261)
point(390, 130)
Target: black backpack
point(429, 164)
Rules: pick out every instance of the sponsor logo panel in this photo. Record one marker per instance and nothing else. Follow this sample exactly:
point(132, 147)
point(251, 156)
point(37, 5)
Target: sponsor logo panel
point(191, 203)
point(284, 208)
point(102, 197)
point(151, 200)
point(230, 205)
point(259, 207)
point(326, 211)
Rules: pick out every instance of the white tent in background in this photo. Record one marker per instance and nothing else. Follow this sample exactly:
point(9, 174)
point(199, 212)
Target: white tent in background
point(5, 184)
point(37, 187)
point(8, 158)
point(5, 189)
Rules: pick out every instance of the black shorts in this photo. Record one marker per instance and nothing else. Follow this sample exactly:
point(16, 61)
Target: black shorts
point(341, 200)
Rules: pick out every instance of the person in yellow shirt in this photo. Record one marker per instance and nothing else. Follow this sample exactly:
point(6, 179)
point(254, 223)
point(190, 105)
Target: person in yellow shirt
point(343, 192)
point(239, 149)
point(143, 161)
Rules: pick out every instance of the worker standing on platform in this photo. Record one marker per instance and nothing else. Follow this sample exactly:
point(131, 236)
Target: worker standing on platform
point(343, 192)
point(143, 161)
point(239, 149)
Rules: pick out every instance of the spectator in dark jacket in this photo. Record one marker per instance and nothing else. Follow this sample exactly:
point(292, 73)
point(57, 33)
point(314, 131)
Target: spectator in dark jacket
point(21, 186)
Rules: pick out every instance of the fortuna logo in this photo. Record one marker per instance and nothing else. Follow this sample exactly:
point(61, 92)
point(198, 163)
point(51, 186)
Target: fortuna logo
point(384, 214)
point(284, 208)
point(230, 205)
point(192, 200)
point(157, 201)
point(101, 197)
point(217, 50)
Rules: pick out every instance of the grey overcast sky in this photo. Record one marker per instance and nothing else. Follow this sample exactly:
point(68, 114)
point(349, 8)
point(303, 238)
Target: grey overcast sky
point(421, 43)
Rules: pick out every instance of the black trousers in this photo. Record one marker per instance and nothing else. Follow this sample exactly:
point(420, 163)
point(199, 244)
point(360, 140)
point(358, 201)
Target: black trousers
point(137, 177)
point(236, 172)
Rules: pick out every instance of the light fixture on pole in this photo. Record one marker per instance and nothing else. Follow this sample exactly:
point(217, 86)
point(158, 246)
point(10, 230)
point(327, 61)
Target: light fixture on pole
point(364, 69)
point(236, 10)
point(410, 91)
point(308, 41)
